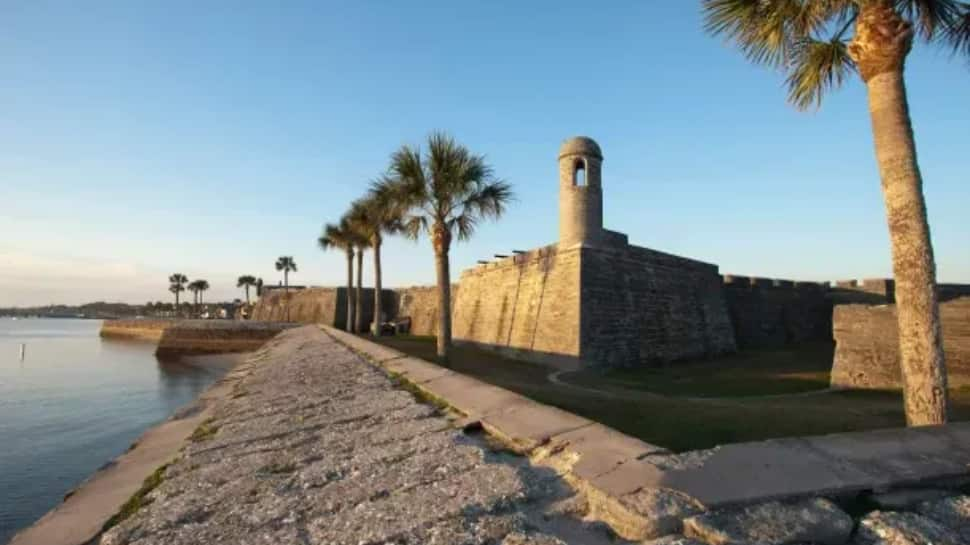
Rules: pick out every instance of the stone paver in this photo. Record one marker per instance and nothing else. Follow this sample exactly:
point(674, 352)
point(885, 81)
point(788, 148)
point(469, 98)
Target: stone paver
point(318, 446)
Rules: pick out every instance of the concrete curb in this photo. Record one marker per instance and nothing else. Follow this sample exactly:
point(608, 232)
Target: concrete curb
point(645, 491)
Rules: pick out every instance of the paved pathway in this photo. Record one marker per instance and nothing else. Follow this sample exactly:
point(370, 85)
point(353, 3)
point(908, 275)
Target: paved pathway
point(317, 446)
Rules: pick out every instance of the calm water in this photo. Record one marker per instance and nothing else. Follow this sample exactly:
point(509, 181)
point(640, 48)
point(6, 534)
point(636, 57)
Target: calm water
point(75, 402)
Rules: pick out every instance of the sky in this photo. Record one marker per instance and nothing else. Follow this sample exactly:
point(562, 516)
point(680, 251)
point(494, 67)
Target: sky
point(140, 138)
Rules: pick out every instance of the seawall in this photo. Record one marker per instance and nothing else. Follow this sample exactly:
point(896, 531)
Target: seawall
point(150, 330)
point(183, 337)
point(867, 345)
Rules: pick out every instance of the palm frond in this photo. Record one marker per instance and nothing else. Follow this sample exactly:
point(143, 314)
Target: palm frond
point(816, 67)
point(462, 225)
point(930, 17)
point(763, 29)
point(413, 225)
point(957, 34)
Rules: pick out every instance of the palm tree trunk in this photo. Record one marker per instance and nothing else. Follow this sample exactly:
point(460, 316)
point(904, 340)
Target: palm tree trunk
point(286, 292)
point(349, 314)
point(376, 328)
point(442, 268)
point(359, 300)
point(247, 294)
point(920, 340)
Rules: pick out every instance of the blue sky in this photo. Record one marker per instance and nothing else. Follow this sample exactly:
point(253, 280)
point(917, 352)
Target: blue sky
point(142, 138)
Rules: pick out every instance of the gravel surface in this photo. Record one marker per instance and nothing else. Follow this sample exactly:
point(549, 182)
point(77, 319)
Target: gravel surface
point(315, 445)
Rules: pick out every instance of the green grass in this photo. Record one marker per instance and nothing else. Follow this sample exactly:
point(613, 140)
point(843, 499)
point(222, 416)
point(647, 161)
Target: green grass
point(206, 430)
point(786, 370)
point(138, 500)
point(679, 423)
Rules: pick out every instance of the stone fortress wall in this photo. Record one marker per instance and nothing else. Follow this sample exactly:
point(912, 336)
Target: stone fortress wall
point(867, 344)
point(526, 306)
point(594, 299)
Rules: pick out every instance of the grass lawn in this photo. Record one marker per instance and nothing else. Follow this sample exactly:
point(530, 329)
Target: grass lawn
point(628, 400)
point(787, 370)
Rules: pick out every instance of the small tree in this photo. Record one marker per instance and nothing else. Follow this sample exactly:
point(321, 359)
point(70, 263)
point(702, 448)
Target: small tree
point(446, 191)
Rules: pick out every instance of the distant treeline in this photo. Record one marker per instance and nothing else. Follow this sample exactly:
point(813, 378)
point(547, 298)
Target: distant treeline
point(102, 310)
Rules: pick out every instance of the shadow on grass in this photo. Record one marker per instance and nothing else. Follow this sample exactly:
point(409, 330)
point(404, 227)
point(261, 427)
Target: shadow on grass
point(683, 424)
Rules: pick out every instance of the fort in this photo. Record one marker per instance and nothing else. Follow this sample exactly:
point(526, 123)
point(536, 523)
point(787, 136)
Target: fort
point(592, 299)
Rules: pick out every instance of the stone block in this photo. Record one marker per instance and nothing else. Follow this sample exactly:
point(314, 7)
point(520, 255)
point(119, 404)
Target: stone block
point(893, 528)
point(775, 523)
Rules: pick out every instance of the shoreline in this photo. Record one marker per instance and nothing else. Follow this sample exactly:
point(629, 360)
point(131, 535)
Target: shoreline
point(80, 517)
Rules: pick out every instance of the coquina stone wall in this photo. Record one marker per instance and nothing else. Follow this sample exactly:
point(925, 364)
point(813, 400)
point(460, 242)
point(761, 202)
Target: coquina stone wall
point(420, 305)
point(316, 305)
point(771, 313)
point(526, 305)
point(867, 351)
point(641, 307)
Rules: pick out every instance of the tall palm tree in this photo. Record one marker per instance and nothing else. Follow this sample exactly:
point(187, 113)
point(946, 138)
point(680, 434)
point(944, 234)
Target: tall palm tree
point(377, 214)
point(446, 191)
point(341, 236)
point(246, 281)
point(810, 41)
point(361, 243)
point(176, 285)
point(286, 264)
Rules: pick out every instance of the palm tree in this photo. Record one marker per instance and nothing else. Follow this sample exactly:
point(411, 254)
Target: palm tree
point(342, 237)
point(361, 243)
point(286, 264)
point(809, 41)
point(245, 282)
point(195, 288)
point(202, 286)
point(176, 285)
point(379, 213)
point(447, 191)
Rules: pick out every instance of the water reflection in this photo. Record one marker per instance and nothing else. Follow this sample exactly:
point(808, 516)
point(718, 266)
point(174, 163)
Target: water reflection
point(76, 401)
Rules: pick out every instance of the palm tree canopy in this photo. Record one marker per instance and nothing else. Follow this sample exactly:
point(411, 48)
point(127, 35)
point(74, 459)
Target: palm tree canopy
point(285, 263)
point(178, 279)
point(809, 39)
point(246, 280)
point(378, 212)
point(202, 284)
point(195, 285)
point(447, 186)
point(338, 235)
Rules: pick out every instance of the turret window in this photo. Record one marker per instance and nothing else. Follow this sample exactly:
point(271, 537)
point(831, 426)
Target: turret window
point(579, 172)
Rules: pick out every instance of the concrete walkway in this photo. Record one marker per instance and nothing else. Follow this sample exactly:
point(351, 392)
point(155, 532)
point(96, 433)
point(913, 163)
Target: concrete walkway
point(316, 445)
